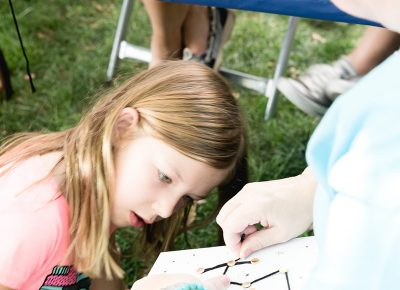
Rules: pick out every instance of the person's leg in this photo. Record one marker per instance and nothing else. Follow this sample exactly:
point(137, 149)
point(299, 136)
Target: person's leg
point(166, 21)
point(375, 45)
point(196, 28)
point(314, 91)
point(206, 30)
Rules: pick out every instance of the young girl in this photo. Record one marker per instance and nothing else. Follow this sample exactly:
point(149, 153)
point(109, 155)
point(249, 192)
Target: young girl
point(160, 140)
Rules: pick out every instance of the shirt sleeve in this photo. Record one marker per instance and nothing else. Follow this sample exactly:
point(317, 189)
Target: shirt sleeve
point(356, 157)
point(360, 248)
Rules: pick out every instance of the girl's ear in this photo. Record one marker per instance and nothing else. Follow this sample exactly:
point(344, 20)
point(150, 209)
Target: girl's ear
point(127, 121)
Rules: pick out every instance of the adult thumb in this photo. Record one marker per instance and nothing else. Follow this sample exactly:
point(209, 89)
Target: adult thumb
point(217, 283)
point(257, 241)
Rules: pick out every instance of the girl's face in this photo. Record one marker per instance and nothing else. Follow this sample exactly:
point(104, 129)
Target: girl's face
point(153, 180)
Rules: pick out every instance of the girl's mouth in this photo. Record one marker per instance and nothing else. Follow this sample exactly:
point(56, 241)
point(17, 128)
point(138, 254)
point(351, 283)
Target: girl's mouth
point(135, 220)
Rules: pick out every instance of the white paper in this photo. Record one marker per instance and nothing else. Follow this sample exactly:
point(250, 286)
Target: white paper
point(297, 256)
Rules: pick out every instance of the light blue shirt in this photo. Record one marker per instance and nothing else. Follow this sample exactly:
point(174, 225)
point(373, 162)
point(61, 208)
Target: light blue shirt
point(355, 155)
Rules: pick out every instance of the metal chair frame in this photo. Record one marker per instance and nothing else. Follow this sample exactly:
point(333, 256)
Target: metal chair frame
point(266, 86)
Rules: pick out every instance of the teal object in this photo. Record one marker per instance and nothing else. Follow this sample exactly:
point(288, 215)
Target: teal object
point(191, 287)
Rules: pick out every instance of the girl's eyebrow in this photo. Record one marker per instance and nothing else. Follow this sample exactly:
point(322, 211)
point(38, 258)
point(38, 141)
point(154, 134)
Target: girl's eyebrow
point(176, 173)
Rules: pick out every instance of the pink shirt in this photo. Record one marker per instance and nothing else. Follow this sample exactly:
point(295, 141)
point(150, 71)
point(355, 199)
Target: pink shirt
point(33, 229)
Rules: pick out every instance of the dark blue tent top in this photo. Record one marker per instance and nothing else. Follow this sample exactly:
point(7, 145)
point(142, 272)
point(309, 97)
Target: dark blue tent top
point(314, 9)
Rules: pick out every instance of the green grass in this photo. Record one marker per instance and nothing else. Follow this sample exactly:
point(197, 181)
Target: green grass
point(69, 43)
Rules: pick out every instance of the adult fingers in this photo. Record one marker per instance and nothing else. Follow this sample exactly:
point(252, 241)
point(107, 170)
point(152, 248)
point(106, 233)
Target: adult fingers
point(231, 205)
point(259, 240)
point(217, 283)
point(242, 217)
point(240, 222)
point(227, 209)
point(234, 241)
point(249, 230)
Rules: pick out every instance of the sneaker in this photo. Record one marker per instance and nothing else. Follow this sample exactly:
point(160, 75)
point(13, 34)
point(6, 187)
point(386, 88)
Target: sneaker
point(315, 90)
point(187, 54)
point(339, 86)
point(221, 25)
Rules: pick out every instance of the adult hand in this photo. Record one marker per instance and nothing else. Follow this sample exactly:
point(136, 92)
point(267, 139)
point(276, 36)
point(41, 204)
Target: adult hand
point(282, 207)
point(172, 281)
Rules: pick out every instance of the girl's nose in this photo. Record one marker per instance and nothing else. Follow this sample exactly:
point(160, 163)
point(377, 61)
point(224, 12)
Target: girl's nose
point(166, 204)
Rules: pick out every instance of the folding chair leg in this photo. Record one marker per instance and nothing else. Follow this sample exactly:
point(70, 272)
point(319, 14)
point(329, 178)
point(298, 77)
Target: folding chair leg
point(280, 67)
point(123, 23)
point(5, 80)
point(122, 49)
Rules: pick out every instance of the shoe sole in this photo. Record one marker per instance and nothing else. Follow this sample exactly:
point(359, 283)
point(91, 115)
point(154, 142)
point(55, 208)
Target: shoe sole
point(305, 104)
point(228, 27)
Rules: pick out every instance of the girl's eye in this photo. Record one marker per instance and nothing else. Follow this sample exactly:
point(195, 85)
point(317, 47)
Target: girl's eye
point(164, 178)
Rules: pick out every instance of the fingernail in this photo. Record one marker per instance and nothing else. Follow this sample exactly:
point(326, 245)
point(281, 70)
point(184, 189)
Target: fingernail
point(225, 280)
point(245, 254)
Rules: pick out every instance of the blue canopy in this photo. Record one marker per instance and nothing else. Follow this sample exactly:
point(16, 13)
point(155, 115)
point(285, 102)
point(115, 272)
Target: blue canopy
point(314, 9)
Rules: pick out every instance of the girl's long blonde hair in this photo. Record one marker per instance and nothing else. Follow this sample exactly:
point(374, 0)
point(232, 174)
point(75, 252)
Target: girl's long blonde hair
point(184, 104)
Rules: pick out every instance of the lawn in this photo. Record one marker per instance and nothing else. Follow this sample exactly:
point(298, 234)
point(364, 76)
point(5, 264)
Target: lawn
point(69, 42)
